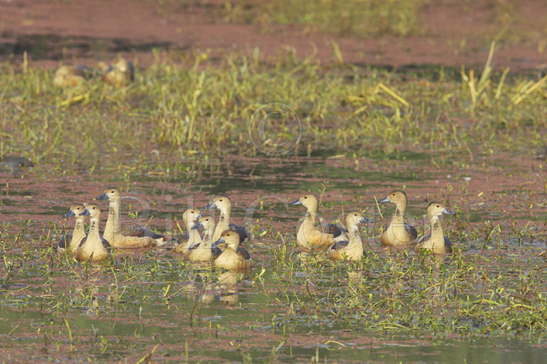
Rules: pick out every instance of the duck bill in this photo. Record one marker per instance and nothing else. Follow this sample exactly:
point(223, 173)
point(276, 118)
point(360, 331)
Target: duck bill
point(448, 212)
point(102, 197)
point(295, 203)
point(218, 243)
point(209, 206)
point(69, 213)
point(365, 220)
point(385, 200)
point(197, 226)
point(85, 213)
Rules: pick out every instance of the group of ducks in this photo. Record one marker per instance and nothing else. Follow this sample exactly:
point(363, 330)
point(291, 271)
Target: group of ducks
point(220, 242)
point(118, 74)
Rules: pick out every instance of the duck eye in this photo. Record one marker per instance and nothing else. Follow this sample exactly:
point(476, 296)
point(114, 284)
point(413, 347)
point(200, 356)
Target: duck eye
point(305, 197)
point(438, 206)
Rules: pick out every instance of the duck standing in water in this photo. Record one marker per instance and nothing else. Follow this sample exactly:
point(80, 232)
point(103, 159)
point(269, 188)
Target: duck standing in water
point(229, 255)
point(398, 234)
point(202, 251)
point(435, 241)
point(112, 230)
point(189, 218)
point(352, 248)
point(308, 236)
point(224, 205)
point(72, 240)
point(93, 248)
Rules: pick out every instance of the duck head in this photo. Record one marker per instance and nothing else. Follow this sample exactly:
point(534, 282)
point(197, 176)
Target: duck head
point(308, 201)
point(190, 216)
point(229, 238)
point(354, 219)
point(110, 195)
point(222, 203)
point(74, 210)
point(435, 209)
point(398, 198)
point(92, 211)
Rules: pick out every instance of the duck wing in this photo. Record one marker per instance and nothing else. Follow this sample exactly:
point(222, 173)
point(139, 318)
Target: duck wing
point(194, 246)
point(411, 230)
point(423, 238)
point(339, 245)
point(142, 231)
point(64, 240)
point(216, 251)
point(241, 231)
point(244, 253)
point(334, 229)
point(106, 244)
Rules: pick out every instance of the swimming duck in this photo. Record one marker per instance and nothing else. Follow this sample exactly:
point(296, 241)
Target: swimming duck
point(112, 230)
point(93, 248)
point(435, 241)
point(228, 254)
point(352, 248)
point(119, 74)
point(201, 251)
point(72, 240)
point(71, 76)
point(309, 237)
point(398, 233)
point(13, 163)
point(224, 205)
point(189, 218)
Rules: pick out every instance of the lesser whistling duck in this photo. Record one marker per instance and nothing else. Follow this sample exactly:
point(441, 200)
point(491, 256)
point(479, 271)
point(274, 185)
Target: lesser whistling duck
point(189, 218)
point(93, 248)
point(13, 163)
point(352, 248)
point(435, 241)
point(71, 76)
point(201, 251)
point(119, 74)
point(112, 230)
point(398, 233)
point(309, 237)
point(72, 240)
point(224, 205)
point(228, 254)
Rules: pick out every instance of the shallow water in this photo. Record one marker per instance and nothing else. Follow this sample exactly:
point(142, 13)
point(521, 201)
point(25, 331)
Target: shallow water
point(53, 309)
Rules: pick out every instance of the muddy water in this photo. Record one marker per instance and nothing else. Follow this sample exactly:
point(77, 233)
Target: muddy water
point(153, 303)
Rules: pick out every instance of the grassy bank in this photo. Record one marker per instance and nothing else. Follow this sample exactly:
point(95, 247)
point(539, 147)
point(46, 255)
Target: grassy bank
point(197, 110)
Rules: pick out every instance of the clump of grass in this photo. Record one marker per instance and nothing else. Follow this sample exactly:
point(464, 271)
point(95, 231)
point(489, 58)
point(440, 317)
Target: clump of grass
point(199, 111)
point(356, 17)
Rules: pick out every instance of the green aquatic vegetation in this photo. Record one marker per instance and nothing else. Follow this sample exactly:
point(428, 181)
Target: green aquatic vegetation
point(185, 118)
point(356, 17)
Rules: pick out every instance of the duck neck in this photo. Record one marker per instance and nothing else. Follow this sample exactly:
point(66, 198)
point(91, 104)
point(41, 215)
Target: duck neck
point(437, 234)
point(223, 223)
point(79, 228)
point(353, 234)
point(208, 233)
point(193, 234)
point(400, 209)
point(94, 229)
point(112, 226)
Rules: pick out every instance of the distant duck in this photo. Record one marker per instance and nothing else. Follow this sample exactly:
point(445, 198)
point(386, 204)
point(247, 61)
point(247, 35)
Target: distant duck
point(398, 233)
point(72, 240)
point(309, 236)
point(72, 76)
point(93, 248)
point(189, 218)
point(435, 241)
point(202, 251)
point(228, 254)
point(144, 238)
point(224, 205)
point(13, 164)
point(119, 74)
point(352, 248)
